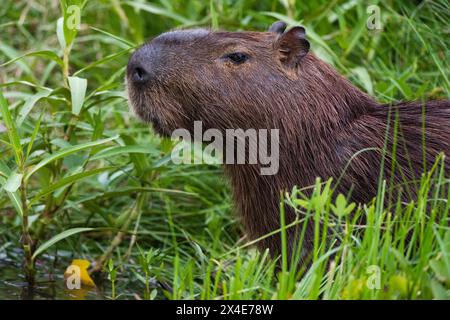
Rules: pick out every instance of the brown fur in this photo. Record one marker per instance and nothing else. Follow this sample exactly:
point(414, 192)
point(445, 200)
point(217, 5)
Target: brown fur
point(323, 119)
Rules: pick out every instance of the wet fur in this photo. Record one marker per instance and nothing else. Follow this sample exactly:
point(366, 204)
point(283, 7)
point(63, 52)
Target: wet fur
point(323, 119)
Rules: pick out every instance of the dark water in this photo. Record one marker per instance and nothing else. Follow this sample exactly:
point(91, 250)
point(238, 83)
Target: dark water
point(50, 284)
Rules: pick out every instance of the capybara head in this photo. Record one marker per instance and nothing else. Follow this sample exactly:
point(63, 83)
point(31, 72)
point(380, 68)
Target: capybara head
point(224, 79)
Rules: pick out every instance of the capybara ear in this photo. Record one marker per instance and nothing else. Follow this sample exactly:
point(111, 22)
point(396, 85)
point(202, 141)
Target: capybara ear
point(292, 46)
point(278, 27)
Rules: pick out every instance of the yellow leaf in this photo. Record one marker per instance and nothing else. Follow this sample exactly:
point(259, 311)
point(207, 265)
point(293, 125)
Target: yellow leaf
point(82, 265)
point(355, 289)
point(398, 284)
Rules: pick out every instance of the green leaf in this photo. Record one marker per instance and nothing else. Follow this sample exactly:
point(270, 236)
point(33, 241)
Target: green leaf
point(42, 53)
point(29, 104)
point(439, 292)
point(114, 151)
point(364, 78)
point(214, 15)
point(12, 130)
point(111, 264)
point(342, 208)
point(24, 83)
point(65, 152)
point(14, 197)
point(11, 53)
point(67, 181)
point(140, 162)
point(119, 39)
point(357, 32)
point(34, 134)
point(13, 182)
point(158, 11)
point(60, 32)
point(78, 92)
point(302, 203)
point(440, 270)
point(105, 59)
point(72, 19)
point(63, 235)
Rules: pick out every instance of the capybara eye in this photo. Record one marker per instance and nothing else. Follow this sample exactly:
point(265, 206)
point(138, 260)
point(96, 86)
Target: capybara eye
point(237, 57)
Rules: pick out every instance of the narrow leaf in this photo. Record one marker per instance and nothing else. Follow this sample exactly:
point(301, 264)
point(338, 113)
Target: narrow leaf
point(11, 128)
point(29, 104)
point(65, 152)
point(158, 11)
point(60, 32)
point(114, 151)
point(119, 39)
point(34, 134)
point(43, 53)
point(67, 181)
point(364, 78)
point(13, 182)
point(61, 236)
point(78, 92)
point(13, 196)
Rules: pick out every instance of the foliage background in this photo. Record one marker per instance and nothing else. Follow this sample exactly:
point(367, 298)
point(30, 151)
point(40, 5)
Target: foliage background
point(130, 193)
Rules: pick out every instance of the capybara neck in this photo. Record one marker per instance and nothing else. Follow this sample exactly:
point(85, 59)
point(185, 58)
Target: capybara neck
point(326, 95)
point(323, 106)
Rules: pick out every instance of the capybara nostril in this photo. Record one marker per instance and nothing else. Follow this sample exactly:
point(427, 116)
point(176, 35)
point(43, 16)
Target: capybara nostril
point(144, 65)
point(139, 75)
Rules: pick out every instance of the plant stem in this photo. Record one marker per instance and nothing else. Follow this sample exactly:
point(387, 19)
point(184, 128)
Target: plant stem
point(113, 290)
point(65, 67)
point(134, 212)
point(147, 286)
point(26, 237)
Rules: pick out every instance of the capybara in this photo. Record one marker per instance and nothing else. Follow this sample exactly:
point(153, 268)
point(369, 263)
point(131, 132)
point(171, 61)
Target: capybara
point(266, 80)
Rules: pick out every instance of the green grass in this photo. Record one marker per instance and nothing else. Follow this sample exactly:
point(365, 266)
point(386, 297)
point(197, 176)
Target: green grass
point(81, 176)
